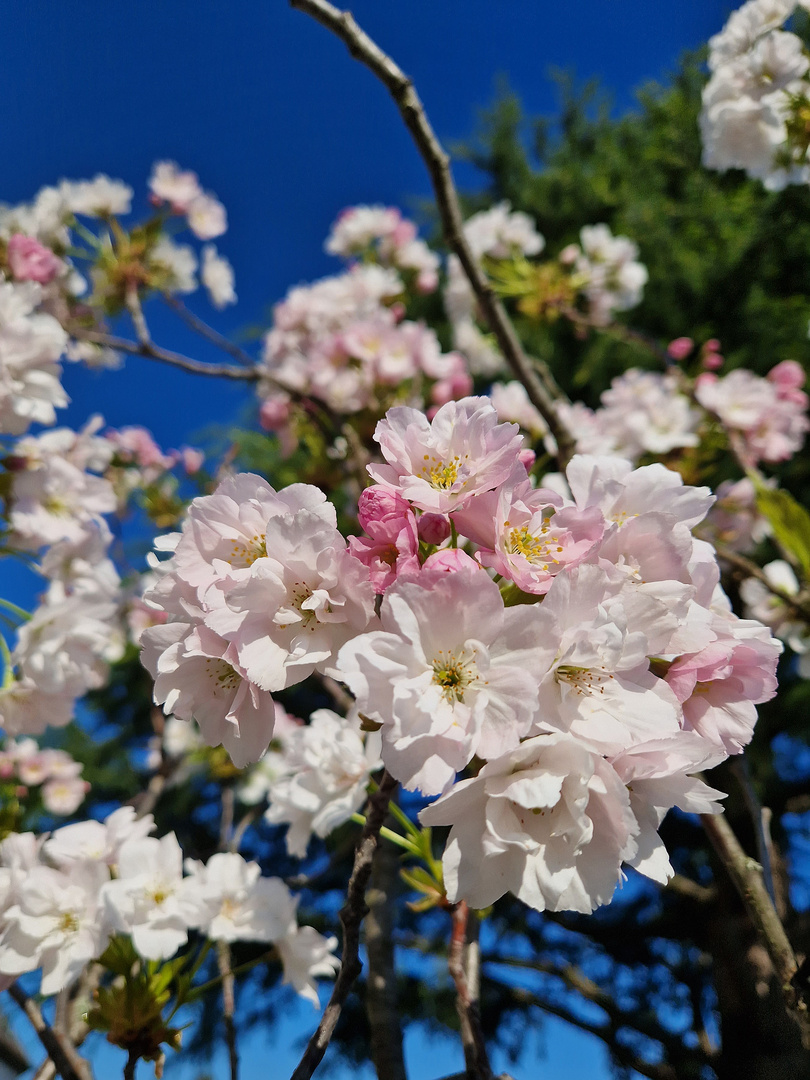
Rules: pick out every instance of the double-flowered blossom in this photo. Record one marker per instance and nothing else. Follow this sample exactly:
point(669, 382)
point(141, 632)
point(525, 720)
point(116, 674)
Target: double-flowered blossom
point(448, 676)
point(328, 763)
point(31, 343)
point(768, 416)
point(759, 80)
point(260, 591)
point(571, 646)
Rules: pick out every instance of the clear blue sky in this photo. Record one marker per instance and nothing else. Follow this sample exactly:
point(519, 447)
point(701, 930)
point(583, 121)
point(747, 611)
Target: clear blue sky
point(287, 129)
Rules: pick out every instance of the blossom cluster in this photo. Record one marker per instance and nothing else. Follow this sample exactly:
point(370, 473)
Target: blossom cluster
point(650, 412)
point(260, 592)
point(576, 651)
point(63, 899)
point(754, 105)
point(48, 298)
point(344, 340)
point(496, 233)
point(23, 765)
point(606, 271)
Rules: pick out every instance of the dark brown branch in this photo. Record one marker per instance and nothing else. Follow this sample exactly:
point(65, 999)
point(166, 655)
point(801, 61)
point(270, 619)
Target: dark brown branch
point(747, 877)
point(199, 326)
point(625, 1056)
point(61, 1051)
point(576, 980)
point(798, 604)
point(154, 352)
point(472, 1038)
point(381, 985)
point(351, 917)
point(536, 377)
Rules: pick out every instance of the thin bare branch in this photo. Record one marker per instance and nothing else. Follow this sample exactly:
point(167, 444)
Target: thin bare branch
point(154, 352)
point(351, 916)
point(576, 980)
point(68, 1063)
point(747, 877)
point(693, 890)
point(625, 1056)
point(384, 1023)
point(535, 376)
point(798, 604)
point(760, 819)
point(472, 1037)
point(199, 326)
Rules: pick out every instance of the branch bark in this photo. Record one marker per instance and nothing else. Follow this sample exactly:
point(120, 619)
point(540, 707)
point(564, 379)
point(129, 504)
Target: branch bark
point(155, 352)
point(68, 1063)
point(351, 916)
point(536, 377)
point(381, 987)
point(747, 877)
point(472, 1038)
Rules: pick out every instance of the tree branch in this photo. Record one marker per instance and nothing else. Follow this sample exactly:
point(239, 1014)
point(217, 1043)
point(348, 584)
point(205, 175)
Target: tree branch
point(472, 1038)
point(578, 981)
point(747, 877)
point(351, 916)
point(536, 377)
point(623, 1054)
point(381, 985)
point(62, 1052)
point(798, 604)
point(199, 326)
point(154, 352)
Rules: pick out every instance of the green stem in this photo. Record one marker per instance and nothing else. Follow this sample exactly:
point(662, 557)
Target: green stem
point(8, 665)
point(389, 834)
point(16, 609)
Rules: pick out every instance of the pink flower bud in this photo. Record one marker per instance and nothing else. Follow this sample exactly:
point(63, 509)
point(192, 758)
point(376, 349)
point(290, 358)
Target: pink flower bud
point(712, 345)
point(274, 412)
point(192, 459)
point(713, 361)
point(527, 458)
point(450, 560)
point(680, 348)
point(433, 528)
point(788, 375)
point(378, 503)
point(29, 260)
point(706, 378)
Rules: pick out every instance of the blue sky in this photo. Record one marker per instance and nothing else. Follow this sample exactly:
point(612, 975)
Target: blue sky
point(277, 119)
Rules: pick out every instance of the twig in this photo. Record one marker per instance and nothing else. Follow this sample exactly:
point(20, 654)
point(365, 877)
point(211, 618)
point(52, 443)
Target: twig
point(228, 1005)
point(351, 916)
point(133, 302)
point(381, 986)
point(154, 352)
point(797, 604)
point(576, 980)
point(625, 1056)
point(693, 890)
point(131, 1065)
point(199, 326)
point(747, 877)
point(69, 1064)
point(472, 1038)
point(759, 818)
point(536, 377)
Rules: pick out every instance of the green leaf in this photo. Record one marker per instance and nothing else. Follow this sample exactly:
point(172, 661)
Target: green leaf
point(790, 523)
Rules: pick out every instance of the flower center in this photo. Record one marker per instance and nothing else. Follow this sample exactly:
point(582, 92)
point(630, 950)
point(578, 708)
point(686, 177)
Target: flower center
point(453, 675)
point(540, 549)
point(583, 680)
point(244, 553)
point(222, 674)
point(69, 923)
point(441, 474)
